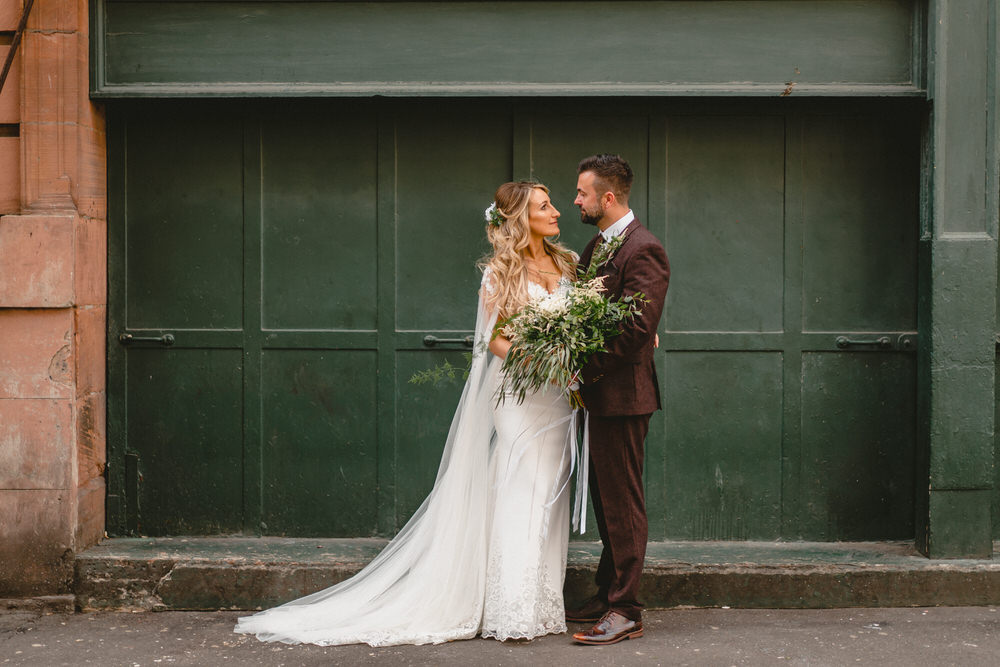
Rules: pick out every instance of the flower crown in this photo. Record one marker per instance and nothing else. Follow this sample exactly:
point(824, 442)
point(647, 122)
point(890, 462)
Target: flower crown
point(494, 218)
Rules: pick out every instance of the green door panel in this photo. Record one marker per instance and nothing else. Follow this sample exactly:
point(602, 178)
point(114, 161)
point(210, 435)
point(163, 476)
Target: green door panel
point(447, 168)
point(858, 430)
point(724, 414)
point(300, 254)
point(186, 424)
point(319, 223)
point(859, 246)
point(423, 417)
point(184, 203)
point(725, 223)
point(320, 445)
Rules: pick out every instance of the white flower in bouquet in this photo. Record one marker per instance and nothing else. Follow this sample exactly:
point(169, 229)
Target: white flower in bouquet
point(553, 305)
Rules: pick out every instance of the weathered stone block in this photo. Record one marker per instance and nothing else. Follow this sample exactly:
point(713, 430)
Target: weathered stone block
point(118, 583)
point(90, 349)
point(47, 178)
point(91, 263)
point(83, 19)
point(50, 76)
point(10, 97)
point(90, 513)
point(90, 437)
point(50, 113)
point(36, 441)
point(36, 556)
point(10, 14)
point(91, 114)
point(90, 186)
point(63, 15)
point(10, 175)
point(36, 353)
point(36, 261)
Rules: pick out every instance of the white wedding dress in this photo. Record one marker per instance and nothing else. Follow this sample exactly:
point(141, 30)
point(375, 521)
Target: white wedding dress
point(486, 551)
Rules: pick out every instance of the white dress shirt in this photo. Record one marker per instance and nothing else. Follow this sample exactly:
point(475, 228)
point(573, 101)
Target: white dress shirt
point(619, 226)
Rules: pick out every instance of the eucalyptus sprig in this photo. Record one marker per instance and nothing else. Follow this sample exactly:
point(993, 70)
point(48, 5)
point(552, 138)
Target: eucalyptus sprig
point(446, 373)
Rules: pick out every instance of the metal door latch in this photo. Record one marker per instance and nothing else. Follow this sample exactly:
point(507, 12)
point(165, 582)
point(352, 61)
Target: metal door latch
point(904, 342)
point(431, 341)
point(166, 339)
point(881, 341)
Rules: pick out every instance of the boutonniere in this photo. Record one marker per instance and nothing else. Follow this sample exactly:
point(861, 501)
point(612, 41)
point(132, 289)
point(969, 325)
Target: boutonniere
point(604, 253)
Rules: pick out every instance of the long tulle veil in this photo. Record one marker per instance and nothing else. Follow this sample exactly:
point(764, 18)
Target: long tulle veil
point(427, 585)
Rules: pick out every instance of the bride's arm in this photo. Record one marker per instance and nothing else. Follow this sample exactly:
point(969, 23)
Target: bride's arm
point(500, 346)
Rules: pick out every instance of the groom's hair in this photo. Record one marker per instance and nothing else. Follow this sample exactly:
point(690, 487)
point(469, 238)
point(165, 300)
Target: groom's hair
point(611, 173)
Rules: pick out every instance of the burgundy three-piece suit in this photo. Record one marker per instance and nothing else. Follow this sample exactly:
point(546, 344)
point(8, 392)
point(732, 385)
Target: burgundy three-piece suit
point(620, 392)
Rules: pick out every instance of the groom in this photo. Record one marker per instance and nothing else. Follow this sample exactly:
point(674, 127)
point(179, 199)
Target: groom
point(620, 391)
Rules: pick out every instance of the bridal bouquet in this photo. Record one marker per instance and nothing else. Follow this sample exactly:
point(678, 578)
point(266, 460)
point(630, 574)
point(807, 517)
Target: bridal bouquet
point(555, 336)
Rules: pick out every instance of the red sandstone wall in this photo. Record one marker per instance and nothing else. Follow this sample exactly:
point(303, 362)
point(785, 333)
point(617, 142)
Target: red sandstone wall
point(52, 303)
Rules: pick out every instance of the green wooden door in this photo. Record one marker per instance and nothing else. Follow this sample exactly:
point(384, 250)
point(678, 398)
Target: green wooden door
point(299, 256)
point(790, 373)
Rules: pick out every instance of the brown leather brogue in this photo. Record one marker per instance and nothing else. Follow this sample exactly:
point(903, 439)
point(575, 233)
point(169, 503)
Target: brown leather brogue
point(590, 611)
point(611, 629)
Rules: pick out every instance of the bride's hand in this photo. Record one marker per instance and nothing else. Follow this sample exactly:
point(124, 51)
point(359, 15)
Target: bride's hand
point(656, 341)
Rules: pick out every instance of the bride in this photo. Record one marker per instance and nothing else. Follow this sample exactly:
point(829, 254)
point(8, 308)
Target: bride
point(486, 551)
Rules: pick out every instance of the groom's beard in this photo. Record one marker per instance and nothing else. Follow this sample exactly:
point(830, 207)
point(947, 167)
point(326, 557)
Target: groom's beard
point(591, 217)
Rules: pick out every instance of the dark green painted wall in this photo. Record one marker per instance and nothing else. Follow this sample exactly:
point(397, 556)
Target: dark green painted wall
point(941, 51)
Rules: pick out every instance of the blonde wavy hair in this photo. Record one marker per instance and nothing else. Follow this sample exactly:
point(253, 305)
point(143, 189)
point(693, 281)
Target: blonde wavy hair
point(507, 284)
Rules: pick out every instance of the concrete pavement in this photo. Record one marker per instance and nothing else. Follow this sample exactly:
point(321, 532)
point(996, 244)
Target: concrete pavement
point(884, 636)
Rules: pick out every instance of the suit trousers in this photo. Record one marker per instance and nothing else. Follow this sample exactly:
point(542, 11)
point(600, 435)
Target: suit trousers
point(616, 458)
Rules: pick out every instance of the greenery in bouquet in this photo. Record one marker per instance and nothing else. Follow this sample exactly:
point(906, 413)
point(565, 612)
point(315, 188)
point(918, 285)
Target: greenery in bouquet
point(554, 337)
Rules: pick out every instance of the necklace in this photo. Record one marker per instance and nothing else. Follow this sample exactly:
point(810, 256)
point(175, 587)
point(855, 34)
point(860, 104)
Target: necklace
point(532, 265)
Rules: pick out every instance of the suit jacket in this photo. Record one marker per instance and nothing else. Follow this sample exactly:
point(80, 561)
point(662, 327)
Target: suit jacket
point(622, 379)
